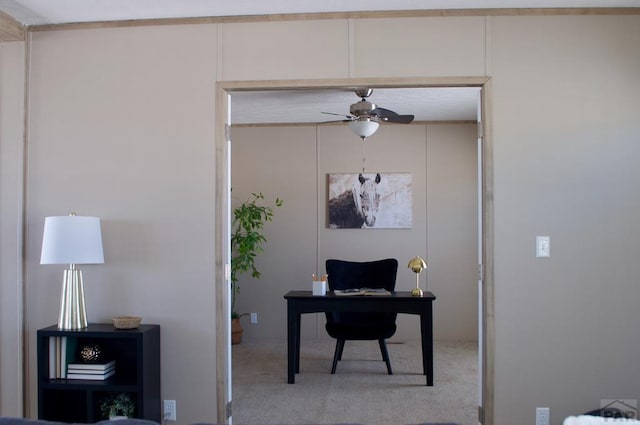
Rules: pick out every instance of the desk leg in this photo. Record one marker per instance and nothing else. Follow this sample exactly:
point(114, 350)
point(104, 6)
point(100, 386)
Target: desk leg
point(426, 330)
point(298, 326)
point(293, 332)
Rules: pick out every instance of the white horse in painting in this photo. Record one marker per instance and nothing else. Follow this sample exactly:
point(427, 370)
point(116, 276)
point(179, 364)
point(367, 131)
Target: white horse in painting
point(357, 207)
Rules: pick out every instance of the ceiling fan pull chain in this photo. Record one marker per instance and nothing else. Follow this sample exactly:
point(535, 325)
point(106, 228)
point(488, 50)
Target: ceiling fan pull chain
point(364, 159)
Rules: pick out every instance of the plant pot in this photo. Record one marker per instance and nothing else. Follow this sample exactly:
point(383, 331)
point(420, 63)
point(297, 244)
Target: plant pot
point(117, 406)
point(236, 331)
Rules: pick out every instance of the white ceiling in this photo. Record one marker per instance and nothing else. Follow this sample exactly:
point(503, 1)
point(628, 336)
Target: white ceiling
point(307, 106)
point(434, 104)
point(38, 12)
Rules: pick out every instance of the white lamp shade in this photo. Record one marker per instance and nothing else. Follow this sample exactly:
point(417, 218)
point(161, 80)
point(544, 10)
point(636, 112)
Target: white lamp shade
point(364, 128)
point(72, 239)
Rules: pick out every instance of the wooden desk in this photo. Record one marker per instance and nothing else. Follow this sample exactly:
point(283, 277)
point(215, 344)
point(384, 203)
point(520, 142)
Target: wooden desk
point(301, 302)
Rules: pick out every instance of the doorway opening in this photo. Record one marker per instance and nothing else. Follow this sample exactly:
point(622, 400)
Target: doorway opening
point(224, 95)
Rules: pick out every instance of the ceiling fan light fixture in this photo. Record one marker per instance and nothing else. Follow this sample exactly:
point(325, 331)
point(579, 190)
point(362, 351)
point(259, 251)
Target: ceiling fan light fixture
point(364, 127)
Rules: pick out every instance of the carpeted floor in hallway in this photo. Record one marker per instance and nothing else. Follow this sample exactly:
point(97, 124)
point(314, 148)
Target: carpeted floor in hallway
point(361, 391)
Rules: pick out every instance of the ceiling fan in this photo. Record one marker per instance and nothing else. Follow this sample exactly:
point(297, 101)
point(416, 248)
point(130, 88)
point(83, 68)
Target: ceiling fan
point(365, 117)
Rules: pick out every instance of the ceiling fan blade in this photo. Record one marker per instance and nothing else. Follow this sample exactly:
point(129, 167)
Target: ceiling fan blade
point(390, 116)
point(348, 117)
point(332, 121)
point(402, 119)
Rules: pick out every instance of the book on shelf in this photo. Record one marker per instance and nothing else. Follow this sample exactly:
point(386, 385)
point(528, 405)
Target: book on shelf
point(89, 371)
point(52, 357)
point(56, 346)
point(92, 376)
point(61, 352)
point(58, 356)
point(361, 291)
point(100, 367)
point(62, 357)
point(66, 354)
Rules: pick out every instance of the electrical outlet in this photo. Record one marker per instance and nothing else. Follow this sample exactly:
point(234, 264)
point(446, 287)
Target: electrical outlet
point(542, 416)
point(169, 408)
point(254, 318)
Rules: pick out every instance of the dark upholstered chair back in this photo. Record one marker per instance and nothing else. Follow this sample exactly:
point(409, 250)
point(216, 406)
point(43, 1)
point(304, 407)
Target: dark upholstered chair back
point(369, 274)
point(346, 326)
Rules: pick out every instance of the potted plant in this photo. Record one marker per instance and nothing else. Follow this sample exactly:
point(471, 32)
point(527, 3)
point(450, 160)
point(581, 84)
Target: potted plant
point(117, 406)
point(246, 243)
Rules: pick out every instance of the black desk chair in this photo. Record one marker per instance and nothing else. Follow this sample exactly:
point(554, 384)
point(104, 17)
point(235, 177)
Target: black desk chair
point(361, 326)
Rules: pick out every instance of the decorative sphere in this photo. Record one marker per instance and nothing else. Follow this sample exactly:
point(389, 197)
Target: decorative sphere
point(417, 264)
point(91, 353)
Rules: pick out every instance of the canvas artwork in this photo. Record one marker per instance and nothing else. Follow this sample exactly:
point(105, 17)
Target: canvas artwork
point(377, 201)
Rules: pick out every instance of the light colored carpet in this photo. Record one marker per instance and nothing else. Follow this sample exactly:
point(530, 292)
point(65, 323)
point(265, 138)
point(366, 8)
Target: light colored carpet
point(361, 391)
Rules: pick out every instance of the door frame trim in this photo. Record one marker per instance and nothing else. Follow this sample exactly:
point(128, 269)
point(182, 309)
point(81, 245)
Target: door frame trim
point(224, 89)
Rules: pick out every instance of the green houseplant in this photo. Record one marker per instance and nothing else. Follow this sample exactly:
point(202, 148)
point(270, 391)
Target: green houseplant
point(117, 405)
point(247, 242)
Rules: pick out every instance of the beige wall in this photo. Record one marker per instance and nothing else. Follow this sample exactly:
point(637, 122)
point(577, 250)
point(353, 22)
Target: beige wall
point(121, 125)
point(11, 168)
point(121, 128)
point(567, 126)
point(424, 47)
point(278, 163)
point(293, 162)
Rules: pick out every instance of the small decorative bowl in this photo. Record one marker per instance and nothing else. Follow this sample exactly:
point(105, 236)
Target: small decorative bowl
point(126, 322)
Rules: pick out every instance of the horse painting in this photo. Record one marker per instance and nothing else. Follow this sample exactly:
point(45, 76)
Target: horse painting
point(356, 207)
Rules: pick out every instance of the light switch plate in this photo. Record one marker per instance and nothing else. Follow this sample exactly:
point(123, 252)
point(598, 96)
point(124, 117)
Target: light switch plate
point(543, 246)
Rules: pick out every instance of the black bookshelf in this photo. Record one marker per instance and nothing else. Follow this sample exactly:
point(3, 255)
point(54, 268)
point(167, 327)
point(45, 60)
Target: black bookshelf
point(137, 372)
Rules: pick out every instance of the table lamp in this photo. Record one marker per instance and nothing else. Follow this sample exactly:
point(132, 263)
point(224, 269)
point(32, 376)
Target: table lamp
point(72, 240)
point(417, 264)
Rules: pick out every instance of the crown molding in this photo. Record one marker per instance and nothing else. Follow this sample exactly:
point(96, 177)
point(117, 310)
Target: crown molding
point(341, 15)
point(10, 29)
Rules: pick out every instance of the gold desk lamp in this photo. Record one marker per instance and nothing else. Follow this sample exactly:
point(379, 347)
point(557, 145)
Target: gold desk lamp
point(417, 264)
